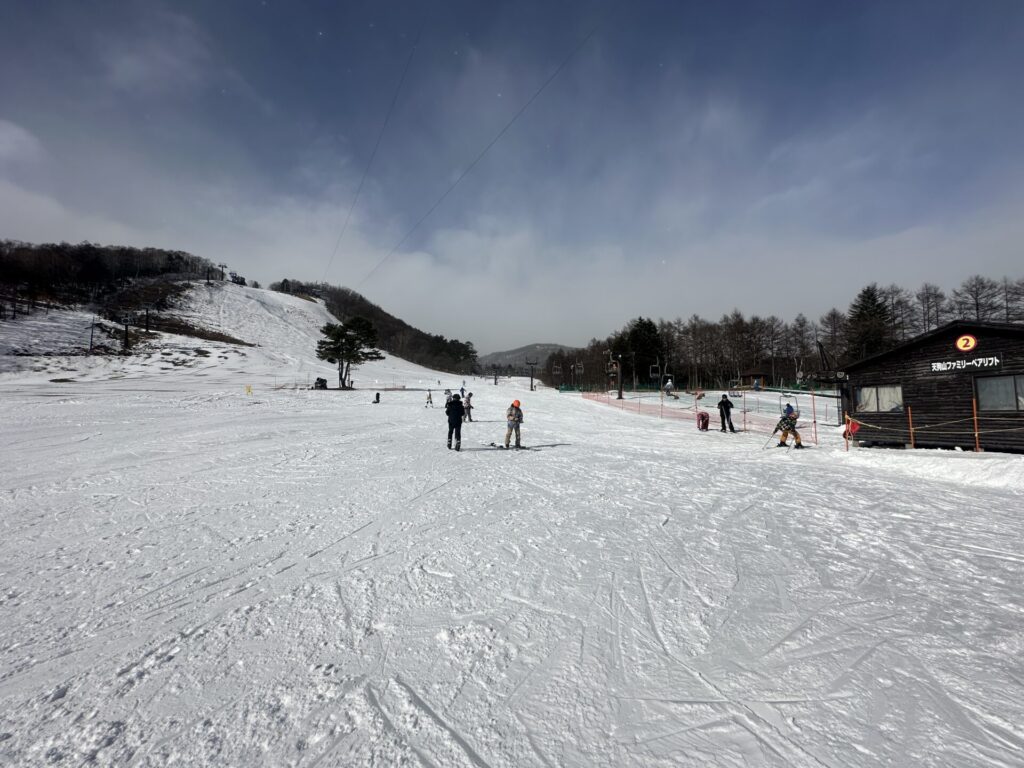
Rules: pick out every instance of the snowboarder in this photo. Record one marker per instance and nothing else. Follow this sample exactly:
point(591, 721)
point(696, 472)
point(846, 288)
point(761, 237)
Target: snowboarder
point(455, 412)
point(468, 405)
point(668, 390)
point(514, 415)
point(725, 407)
point(430, 400)
point(788, 424)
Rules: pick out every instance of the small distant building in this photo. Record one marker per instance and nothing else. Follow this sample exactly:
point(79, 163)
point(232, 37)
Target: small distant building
point(959, 386)
point(754, 379)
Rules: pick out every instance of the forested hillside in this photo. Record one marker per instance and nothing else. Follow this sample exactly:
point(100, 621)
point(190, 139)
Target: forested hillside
point(395, 336)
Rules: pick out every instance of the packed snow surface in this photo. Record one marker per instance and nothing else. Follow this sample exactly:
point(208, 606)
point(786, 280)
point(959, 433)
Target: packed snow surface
point(196, 575)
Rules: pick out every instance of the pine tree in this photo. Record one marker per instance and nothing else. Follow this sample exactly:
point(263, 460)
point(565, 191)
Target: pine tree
point(869, 325)
point(348, 344)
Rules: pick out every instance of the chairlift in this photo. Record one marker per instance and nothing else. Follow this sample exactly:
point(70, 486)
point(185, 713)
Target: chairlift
point(612, 368)
point(792, 400)
point(556, 369)
point(656, 371)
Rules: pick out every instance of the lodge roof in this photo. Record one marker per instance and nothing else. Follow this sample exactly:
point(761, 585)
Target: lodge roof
point(1014, 329)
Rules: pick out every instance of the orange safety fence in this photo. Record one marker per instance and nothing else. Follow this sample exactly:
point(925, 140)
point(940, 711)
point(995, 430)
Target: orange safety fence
point(652, 406)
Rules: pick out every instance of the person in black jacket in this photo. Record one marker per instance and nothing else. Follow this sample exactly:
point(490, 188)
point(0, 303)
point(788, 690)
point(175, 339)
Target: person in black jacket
point(455, 413)
point(725, 407)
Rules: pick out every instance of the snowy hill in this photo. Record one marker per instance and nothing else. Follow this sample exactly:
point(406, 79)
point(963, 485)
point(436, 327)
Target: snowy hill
point(192, 573)
point(282, 330)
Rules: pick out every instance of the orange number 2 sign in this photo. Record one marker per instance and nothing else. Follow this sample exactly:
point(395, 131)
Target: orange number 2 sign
point(966, 343)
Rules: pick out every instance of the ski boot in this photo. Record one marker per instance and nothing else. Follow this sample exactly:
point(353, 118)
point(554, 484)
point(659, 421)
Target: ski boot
point(449, 445)
point(458, 445)
point(782, 445)
point(799, 446)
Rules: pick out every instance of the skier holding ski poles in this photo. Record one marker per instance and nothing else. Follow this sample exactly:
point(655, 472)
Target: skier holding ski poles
point(725, 407)
point(787, 424)
point(514, 415)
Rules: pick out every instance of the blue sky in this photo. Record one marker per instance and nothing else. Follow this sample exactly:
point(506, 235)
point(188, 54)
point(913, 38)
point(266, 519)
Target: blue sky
point(689, 158)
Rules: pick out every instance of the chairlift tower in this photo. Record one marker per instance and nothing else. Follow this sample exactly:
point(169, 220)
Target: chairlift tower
point(532, 364)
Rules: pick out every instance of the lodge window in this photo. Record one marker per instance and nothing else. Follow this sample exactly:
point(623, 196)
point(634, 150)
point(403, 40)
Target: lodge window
point(1000, 393)
point(885, 398)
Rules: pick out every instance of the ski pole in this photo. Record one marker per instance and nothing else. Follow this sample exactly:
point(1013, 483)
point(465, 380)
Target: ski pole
point(770, 438)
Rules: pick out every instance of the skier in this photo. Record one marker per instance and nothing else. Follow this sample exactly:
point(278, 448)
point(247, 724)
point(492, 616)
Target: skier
point(447, 397)
point(455, 412)
point(462, 390)
point(430, 400)
point(788, 410)
point(668, 390)
point(376, 400)
point(725, 407)
point(468, 405)
point(788, 424)
point(514, 415)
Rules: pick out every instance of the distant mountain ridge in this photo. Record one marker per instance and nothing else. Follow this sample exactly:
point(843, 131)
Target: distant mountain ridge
point(517, 357)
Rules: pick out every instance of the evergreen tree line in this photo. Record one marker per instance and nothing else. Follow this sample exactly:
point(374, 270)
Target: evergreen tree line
point(394, 336)
point(701, 354)
point(63, 273)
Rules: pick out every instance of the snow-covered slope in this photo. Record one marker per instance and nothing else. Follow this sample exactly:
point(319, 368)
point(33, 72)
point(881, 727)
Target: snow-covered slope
point(282, 329)
point(194, 575)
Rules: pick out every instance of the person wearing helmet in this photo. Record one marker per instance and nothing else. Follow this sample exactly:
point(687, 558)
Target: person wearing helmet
point(514, 416)
point(787, 425)
point(725, 407)
point(468, 406)
point(455, 413)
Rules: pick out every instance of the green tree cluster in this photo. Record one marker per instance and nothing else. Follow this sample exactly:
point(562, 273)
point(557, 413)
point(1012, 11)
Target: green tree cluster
point(348, 344)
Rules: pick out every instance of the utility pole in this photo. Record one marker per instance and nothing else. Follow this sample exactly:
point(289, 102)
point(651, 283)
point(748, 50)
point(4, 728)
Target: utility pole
point(532, 364)
point(619, 372)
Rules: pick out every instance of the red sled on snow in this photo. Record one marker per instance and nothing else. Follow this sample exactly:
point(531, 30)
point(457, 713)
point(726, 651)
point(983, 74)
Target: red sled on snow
point(703, 420)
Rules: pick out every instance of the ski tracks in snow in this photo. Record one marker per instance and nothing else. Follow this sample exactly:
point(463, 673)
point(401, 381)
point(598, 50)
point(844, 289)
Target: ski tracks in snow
point(325, 584)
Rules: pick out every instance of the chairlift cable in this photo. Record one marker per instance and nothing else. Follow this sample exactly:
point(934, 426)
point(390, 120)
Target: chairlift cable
point(373, 154)
point(485, 150)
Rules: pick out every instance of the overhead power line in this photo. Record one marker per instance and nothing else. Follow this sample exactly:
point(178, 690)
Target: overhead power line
point(376, 146)
point(484, 151)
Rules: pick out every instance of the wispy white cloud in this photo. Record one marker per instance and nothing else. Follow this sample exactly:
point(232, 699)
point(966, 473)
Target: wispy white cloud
point(18, 145)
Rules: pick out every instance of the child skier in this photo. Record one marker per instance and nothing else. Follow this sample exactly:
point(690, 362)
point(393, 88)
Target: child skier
point(455, 413)
point(430, 400)
point(514, 416)
point(468, 405)
point(788, 424)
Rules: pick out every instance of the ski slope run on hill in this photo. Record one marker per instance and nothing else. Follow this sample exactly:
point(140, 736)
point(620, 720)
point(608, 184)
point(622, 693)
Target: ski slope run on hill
point(193, 575)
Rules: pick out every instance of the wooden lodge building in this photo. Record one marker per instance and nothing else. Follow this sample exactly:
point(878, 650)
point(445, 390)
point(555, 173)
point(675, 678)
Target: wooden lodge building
point(959, 386)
